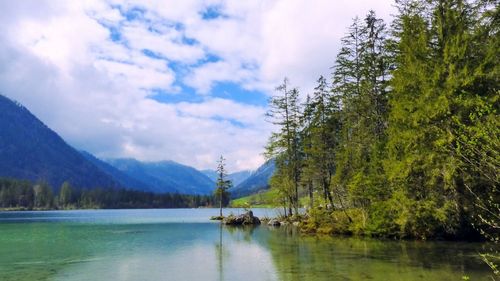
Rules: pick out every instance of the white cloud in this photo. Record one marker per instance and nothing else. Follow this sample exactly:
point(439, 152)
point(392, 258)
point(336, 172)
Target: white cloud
point(167, 44)
point(60, 60)
point(203, 77)
point(137, 76)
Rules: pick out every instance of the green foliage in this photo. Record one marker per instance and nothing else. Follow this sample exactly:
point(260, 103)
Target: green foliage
point(44, 197)
point(320, 140)
point(223, 184)
point(266, 199)
point(23, 195)
point(405, 142)
point(65, 195)
point(284, 146)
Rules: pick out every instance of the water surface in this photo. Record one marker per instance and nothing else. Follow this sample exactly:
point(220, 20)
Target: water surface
point(182, 244)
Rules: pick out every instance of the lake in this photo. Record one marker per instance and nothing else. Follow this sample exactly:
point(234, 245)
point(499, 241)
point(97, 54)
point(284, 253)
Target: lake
point(182, 244)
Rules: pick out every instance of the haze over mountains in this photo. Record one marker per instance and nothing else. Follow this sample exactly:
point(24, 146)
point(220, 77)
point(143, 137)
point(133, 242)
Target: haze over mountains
point(30, 150)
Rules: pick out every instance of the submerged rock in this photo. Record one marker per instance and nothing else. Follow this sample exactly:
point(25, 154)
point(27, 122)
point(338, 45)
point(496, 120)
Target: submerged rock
point(245, 219)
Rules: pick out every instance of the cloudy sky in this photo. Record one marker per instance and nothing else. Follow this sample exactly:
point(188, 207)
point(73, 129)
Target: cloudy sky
point(156, 80)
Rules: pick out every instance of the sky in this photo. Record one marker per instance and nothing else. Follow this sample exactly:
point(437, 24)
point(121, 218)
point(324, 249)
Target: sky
point(186, 80)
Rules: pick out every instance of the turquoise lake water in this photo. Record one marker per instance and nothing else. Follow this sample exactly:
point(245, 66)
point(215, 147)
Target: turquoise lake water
point(182, 244)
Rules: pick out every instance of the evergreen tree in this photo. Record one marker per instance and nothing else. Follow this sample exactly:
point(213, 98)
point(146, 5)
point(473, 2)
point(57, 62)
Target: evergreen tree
point(441, 83)
point(320, 138)
point(65, 195)
point(360, 81)
point(223, 184)
point(284, 145)
point(44, 197)
point(409, 130)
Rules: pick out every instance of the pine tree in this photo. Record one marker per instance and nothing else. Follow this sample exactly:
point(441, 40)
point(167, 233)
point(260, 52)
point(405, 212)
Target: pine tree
point(437, 89)
point(360, 80)
point(321, 131)
point(284, 145)
point(65, 195)
point(223, 184)
point(347, 86)
point(43, 195)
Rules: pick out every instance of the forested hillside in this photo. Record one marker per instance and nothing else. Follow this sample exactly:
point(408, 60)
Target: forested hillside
point(30, 150)
point(403, 139)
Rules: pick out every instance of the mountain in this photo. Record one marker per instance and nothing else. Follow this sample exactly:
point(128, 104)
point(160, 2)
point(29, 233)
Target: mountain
point(166, 176)
point(239, 177)
point(211, 174)
point(259, 180)
point(30, 150)
point(236, 178)
point(122, 178)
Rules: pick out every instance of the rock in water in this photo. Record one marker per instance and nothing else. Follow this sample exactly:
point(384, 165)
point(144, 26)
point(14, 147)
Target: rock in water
point(245, 219)
point(274, 222)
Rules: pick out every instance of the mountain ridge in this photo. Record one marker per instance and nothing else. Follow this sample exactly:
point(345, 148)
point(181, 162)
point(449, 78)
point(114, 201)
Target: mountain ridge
point(257, 181)
point(165, 176)
point(125, 180)
point(236, 177)
point(30, 150)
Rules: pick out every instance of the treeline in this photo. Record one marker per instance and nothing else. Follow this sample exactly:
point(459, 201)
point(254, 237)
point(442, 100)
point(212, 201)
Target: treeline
point(403, 139)
point(20, 194)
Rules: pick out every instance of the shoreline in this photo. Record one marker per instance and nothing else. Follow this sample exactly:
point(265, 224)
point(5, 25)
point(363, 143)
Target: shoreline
point(303, 226)
point(284, 222)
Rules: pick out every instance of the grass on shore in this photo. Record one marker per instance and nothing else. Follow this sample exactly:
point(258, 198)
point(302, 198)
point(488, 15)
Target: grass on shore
point(266, 199)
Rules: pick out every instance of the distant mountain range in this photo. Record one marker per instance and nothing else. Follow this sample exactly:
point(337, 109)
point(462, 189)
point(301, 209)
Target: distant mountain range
point(236, 178)
point(30, 150)
point(166, 176)
point(257, 181)
point(211, 174)
point(122, 178)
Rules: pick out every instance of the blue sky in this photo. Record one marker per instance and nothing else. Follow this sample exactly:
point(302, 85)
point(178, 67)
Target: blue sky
point(156, 80)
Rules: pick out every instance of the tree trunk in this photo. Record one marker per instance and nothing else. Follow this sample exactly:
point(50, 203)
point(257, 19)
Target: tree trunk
point(311, 198)
point(296, 199)
point(220, 204)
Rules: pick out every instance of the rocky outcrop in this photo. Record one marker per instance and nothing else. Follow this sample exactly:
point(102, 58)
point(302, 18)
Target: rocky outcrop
point(245, 219)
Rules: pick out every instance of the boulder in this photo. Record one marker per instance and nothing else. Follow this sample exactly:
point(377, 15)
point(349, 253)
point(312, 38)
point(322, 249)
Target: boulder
point(245, 219)
point(274, 222)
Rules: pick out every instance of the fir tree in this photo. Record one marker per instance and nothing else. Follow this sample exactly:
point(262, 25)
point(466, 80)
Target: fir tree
point(284, 145)
point(223, 184)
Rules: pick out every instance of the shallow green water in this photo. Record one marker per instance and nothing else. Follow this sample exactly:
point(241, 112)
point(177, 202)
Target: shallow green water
point(182, 244)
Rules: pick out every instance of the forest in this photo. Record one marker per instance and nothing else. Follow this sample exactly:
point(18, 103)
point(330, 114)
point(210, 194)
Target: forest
point(24, 195)
point(403, 139)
